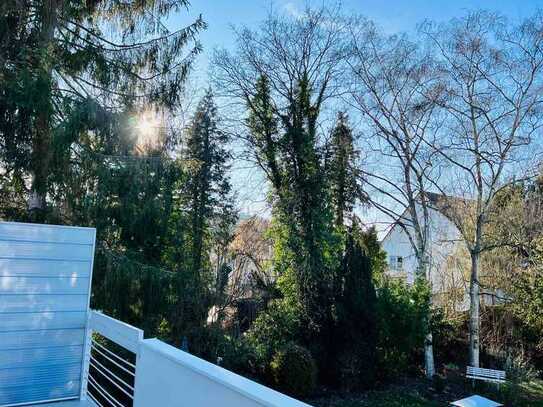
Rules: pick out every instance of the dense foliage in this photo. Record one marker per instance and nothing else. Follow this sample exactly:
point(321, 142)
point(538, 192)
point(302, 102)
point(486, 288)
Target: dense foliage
point(356, 332)
point(294, 371)
point(401, 314)
point(67, 66)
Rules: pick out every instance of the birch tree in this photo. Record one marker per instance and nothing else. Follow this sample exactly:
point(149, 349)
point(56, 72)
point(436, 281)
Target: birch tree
point(490, 101)
point(389, 75)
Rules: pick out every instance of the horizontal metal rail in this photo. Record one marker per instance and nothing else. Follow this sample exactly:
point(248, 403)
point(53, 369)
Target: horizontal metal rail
point(94, 400)
point(104, 393)
point(112, 372)
point(113, 354)
point(110, 379)
point(112, 361)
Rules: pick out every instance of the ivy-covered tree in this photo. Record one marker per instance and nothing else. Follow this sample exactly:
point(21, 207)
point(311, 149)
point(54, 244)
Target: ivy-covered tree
point(289, 154)
point(284, 74)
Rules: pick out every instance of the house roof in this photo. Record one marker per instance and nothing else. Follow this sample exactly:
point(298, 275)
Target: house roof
point(439, 202)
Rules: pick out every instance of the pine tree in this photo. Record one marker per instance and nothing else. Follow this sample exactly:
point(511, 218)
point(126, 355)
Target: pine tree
point(56, 58)
point(372, 249)
point(208, 189)
point(342, 170)
point(203, 216)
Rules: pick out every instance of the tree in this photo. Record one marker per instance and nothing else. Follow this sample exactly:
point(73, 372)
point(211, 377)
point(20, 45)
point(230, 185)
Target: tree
point(389, 75)
point(511, 273)
point(251, 256)
point(208, 188)
point(488, 95)
point(356, 334)
point(303, 216)
point(342, 171)
point(204, 215)
point(372, 249)
point(56, 58)
point(282, 75)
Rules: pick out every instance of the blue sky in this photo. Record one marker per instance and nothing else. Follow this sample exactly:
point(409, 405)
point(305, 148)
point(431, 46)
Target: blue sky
point(391, 15)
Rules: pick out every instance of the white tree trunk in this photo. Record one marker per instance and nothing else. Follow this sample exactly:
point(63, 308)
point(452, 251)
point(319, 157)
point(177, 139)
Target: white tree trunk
point(35, 201)
point(429, 365)
point(474, 321)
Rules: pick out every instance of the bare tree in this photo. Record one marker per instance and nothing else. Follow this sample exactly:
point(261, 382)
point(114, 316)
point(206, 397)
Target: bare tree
point(390, 75)
point(242, 266)
point(251, 252)
point(286, 51)
point(489, 99)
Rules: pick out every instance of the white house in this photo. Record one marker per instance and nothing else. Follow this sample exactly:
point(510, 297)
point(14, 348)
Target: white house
point(448, 268)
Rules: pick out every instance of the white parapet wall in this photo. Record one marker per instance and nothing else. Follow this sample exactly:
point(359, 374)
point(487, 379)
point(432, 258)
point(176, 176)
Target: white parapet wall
point(169, 377)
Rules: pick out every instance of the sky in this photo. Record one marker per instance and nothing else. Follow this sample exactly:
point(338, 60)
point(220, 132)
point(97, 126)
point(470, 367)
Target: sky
point(393, 16)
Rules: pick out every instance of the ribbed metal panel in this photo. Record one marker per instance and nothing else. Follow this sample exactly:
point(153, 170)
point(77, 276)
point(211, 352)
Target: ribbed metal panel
point(44, 285)
point(43, 303)
point(40, 339)
point(45, 276)
point(39, 392)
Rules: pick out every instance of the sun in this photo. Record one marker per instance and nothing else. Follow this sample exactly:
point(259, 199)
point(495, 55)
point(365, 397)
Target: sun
point(148, 130)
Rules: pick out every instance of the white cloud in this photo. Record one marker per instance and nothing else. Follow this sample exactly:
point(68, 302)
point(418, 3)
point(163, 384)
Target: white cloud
point(292, 10)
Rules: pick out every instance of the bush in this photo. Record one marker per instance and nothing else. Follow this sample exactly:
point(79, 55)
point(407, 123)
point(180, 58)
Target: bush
point(272, 330)
point(450, 338)
point(239, 357)
point(401, 311)
point(519, 368)
point(294, 370)
point(355, 338)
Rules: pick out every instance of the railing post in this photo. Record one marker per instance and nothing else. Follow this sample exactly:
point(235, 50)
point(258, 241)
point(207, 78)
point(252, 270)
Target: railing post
point(86, 359)
point(137, 383)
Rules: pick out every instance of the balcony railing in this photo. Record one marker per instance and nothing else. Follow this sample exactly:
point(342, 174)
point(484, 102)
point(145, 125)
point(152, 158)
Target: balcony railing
point(110, 361)
point(161, 375)
point(54, 349)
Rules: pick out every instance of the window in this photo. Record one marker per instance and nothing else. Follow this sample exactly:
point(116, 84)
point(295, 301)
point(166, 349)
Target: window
point(396, 263)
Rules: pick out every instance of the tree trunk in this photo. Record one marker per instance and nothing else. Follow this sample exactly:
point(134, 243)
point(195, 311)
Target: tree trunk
point(429, 365)
point(42, 138)
point(474, 322)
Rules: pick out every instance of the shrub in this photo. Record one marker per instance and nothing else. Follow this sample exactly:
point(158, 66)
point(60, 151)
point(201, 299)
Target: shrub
point(519, 368)
point(401, 311)
point(294, 370)
point(239, 357)
point(450, 337)
point(272, 330)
